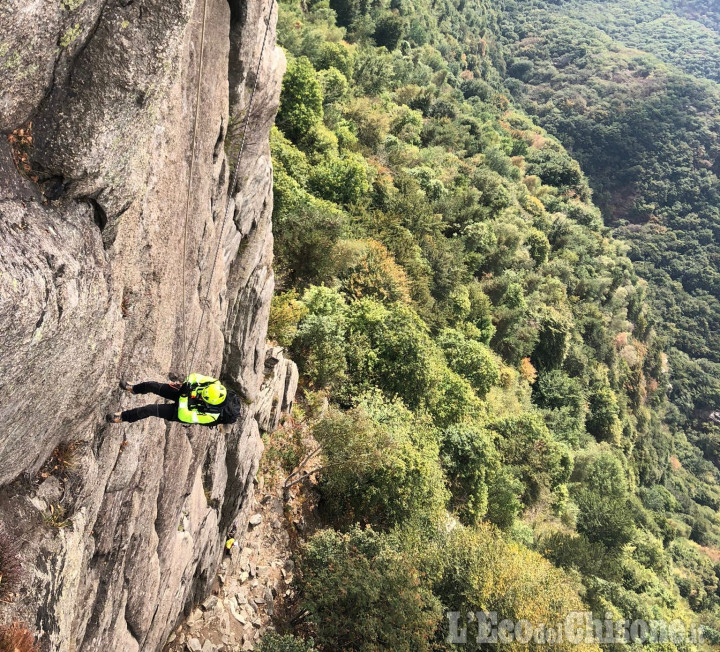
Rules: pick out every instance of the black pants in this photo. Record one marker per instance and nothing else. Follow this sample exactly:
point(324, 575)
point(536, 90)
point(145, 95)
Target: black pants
point(167, 411)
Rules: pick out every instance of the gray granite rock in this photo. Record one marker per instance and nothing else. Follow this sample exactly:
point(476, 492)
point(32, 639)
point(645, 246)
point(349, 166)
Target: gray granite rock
point(90, 282)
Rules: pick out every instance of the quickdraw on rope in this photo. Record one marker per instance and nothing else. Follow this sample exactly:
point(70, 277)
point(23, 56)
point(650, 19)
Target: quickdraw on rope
point(231, 192)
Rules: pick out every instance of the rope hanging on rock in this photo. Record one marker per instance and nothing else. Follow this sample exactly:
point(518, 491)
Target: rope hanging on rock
point(189, 185)
point(231, 190)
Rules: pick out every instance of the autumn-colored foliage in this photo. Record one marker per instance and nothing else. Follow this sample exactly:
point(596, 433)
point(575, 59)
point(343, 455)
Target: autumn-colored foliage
point(17, 638)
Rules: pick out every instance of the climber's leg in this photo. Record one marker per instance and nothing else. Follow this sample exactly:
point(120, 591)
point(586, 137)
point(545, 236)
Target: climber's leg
point(167, 411)
point(161, 389)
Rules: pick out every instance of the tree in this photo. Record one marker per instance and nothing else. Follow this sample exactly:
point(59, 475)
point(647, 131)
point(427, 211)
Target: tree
point(563, 399)
point(380, 465)
point(556, 168)
point(301, 99)
point(553, 339)
point(334, 85)
point(480, 314)
point(308, 231)
point(528, 448)
point(349, 10)
point(470, 359)
point(369, 270)
point(603, 503)
point(342, 180)
point(389, 30)
point(286, 311)
point(398, 356)
point(319, 346)
point(602, 419)
point(344, 576)
point(539, 246)
point(335, 55)
point(479, 568)
point(469, 458)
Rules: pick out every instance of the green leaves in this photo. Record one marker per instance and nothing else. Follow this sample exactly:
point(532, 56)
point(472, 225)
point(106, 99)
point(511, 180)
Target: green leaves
point(475, 325)
point(301, 100)
point(363, 595)
point(471, 359)
point(380, 466)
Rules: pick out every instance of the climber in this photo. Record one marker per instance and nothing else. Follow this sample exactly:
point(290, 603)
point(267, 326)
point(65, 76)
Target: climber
point(200, 399)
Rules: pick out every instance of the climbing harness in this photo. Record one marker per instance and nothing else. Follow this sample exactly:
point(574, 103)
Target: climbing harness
point(231, 187)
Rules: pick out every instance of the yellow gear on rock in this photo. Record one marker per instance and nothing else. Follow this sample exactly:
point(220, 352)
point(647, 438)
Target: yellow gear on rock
point(214, 394)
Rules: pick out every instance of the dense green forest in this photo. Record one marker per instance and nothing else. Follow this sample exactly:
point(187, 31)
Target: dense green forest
point(495, 358)
point(682, 34)
point(648, 136)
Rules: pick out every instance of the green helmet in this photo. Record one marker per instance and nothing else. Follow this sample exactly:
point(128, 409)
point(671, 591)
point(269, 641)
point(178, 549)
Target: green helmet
point(214, 394)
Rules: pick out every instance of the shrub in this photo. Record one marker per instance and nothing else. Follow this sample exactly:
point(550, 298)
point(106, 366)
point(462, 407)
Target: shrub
point(17, 638)
point(468, 456)
point(380, 465)
point(369, 270)
point(363, 595)
point(10, 566)
point(285, 643)
point(57, 516)
point(301, 99)
point(62, 463)
point(286, 311)
point(470, 359)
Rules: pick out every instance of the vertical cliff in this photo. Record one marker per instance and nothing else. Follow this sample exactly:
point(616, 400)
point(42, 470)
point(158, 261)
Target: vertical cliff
point(91, 271)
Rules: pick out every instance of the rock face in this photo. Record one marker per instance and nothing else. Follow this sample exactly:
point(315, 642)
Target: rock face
point(278, 391)
point(122, 537)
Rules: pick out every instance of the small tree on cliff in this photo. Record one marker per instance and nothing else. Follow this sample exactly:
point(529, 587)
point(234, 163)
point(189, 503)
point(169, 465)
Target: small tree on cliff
point(301, 99)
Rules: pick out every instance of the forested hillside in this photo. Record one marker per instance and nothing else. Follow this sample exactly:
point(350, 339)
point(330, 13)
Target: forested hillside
point(498, 436)
point(683, 34)
point(648, 136)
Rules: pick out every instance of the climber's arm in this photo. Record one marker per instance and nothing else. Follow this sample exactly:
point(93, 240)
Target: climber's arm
point(195, 379)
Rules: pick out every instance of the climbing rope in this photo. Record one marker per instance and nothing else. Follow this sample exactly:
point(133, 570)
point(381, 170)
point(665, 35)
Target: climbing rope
point(231, 189)
point(190, 179)
point(233, 183)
